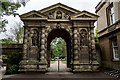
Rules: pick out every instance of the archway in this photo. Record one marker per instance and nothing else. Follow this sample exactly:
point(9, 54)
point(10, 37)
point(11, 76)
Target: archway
point(64, 35)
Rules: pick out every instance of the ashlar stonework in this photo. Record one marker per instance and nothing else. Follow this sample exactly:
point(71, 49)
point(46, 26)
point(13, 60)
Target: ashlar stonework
point(75, 27)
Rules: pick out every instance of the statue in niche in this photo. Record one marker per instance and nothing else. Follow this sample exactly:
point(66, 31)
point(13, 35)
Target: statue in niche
point(34, 39)
point(66, 16)
point(51, 16)
point(59, 15)
point(83, 37)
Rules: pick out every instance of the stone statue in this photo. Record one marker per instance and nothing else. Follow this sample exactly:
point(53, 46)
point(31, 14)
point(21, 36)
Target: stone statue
point(66, 16)
point(51, 16)
point(59, 15)
point(83, 37)
point(34, 39)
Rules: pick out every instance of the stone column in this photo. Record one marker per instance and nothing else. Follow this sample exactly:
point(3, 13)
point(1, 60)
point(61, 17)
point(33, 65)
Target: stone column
point(94, 62)
point(76, 49)
point(24, 61)
point(43, 60)
point(25, 41)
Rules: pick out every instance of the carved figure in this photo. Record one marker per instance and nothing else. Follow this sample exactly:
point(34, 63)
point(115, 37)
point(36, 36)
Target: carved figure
point(59, 15)
point(66, 16)
point(51, 16)
point(83, 37)
point(34, 39)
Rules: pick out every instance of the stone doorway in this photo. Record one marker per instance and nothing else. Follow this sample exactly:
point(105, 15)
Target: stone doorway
point(64, 35)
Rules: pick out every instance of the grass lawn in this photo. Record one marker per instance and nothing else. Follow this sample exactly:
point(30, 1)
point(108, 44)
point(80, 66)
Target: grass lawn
point(51, 62)
point(64, 62)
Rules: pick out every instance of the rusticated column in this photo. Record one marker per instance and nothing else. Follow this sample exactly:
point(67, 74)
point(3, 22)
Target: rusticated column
point(76, 46)
point(43, 47)
point(92, 52)
point(43, 60)
point(25, 41)
point(94, 63)
point(24, 61)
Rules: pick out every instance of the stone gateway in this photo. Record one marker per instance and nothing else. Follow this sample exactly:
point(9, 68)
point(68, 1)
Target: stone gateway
point(75, 27)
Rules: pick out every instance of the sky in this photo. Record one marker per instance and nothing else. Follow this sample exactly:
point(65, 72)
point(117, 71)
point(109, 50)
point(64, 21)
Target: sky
point(88, 5)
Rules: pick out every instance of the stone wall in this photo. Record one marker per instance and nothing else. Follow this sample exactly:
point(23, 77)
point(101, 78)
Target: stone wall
point(9, 48)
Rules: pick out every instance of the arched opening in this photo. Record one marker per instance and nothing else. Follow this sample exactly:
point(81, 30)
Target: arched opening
point(58, 49)
point(64, 35)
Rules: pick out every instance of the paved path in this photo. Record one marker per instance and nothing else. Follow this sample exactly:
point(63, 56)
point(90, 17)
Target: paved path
point(61, 75)
point(54, 67)
point(74, 75)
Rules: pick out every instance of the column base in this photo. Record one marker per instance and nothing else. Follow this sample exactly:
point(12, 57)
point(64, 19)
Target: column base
point(79, 67)
point(32, 66)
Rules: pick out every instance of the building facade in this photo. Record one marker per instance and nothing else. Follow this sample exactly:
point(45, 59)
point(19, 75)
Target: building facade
point(108, 25)
point(74, 26)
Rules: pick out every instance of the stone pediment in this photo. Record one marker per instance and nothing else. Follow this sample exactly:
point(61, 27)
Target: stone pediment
point(84, 15)
point(33, 15)
point(59, 5)
point(59, 11)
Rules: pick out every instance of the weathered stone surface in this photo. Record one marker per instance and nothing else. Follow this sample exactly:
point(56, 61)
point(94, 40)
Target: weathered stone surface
point(39, 32)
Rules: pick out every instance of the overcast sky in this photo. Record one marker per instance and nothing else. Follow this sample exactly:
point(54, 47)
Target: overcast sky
point(81, 5)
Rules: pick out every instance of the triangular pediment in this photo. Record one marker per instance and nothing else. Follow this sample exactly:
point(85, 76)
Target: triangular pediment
point(59, 5)
point(84, 15)
point(33, 14)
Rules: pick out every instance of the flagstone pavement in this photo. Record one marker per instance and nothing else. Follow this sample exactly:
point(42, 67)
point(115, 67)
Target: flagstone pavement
point(53, 73)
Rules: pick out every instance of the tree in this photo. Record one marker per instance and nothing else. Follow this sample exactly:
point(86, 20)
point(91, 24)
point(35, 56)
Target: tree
point(96, 36)
point(17, 33)
point(8, 41)
point(58, 48)
point(8, 8)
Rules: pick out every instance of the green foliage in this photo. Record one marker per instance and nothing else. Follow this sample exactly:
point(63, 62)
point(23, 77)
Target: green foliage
point(4, 58)
point(19, 35)
point(7, 41)
point(51, 62)
point(58, 47)
point(96, 36)
point(13, 62)
point(64, 62)
point(14, 58)
point(9, 8)
point(12, 69)
point(2, 25)
point(16, 37)
point(17, 32)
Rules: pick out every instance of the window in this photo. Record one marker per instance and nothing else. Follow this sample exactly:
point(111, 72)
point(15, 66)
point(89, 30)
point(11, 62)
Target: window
point(110, 15)
point(115, 49)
